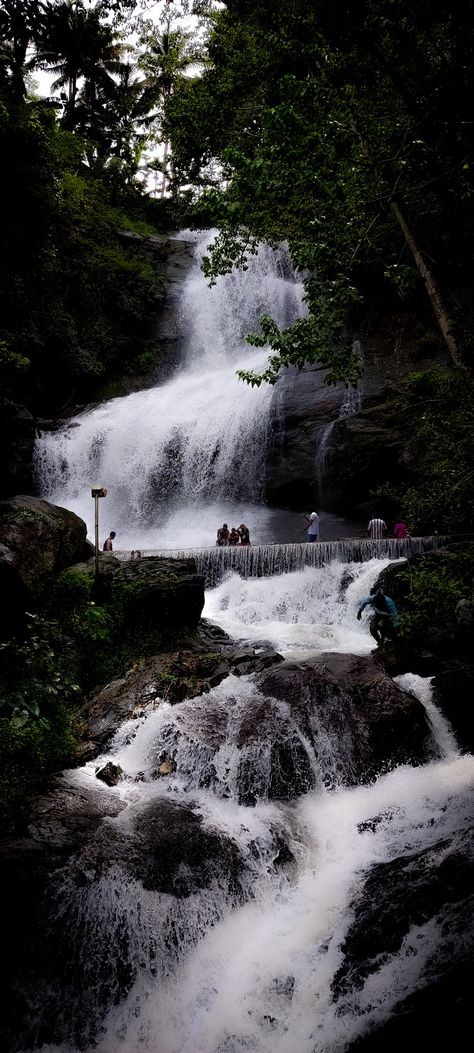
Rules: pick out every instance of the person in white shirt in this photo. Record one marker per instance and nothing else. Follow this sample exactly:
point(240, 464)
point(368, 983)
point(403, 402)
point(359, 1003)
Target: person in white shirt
point(376, 529)
point(313, 526)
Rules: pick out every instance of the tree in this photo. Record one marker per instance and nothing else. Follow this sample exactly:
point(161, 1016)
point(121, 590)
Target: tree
point(165, 57)
point(76, 44)
point(20, 21)
point(345, 130)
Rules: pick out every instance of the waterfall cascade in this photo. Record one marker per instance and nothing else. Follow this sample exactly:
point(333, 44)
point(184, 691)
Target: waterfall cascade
point(213, 910)
point(265, 560)
point(196, 923)
point(198, 440)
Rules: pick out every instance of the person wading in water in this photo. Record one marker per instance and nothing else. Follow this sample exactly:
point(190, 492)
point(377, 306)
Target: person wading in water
point(384, 624)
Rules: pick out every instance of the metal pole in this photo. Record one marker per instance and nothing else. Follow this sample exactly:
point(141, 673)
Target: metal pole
point(96, 499)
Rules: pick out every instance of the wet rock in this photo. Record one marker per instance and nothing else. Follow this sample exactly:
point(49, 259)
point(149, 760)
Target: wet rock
point(37, 541)
point(111, 774)
point(60, 823)
point(398, 899)
point(167, 848)
point(73, 874)
point(348, 701)
point(454, 693)
point(365, 444)
point(305, 406)
point(172, 677)
point(331, 721)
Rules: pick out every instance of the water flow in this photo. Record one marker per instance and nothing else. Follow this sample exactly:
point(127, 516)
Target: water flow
point(253, 961)
point(166, 453)
point(350, 404)
point(267, 560)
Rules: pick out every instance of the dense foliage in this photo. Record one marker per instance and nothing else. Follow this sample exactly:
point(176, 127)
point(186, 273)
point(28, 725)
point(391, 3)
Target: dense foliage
point(76, 643)
point(436, 602)
point(441, 495)
point(78, 300)
point(344, 129)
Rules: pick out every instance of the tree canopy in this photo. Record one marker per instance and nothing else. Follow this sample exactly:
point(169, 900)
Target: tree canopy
point(344, 129)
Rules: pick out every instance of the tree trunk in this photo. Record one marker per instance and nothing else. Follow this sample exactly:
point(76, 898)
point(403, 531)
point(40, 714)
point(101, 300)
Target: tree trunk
point(165, 159)
point(432, 286)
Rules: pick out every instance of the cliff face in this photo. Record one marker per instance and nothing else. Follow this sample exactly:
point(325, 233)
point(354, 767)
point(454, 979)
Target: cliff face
point(172, 258)
point(332, 447)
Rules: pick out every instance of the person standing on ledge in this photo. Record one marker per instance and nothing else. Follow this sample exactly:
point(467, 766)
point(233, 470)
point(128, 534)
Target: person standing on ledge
point(108, 543)
point(223, 535)
point(244, 534)
point(313, 526)
point(400, 530)
point(376, 529)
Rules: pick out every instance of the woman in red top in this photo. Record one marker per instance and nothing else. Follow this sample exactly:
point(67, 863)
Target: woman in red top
point(400, 531)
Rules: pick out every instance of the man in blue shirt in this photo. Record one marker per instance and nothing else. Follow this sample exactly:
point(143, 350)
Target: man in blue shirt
point(384, 624)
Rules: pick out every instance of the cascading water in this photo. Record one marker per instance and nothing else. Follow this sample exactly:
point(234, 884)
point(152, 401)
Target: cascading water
point(214, 910)
point(183, 456)
point(351, 403)
point(246, 950)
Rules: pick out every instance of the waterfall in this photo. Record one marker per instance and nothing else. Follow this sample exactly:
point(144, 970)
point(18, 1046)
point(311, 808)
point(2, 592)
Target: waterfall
point(191, 450)
point(211, 911)
point(252, 959)
point(266, 560)
point(351, 403)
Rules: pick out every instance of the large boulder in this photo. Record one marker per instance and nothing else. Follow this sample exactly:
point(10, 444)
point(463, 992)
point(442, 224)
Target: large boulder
point(418, 905)
point(166, 594)
point(92, 903)
point(165, 847)
point(358, 722)
point(37, 541)
point(199, 663)
point(331, 721)
point(60, 823)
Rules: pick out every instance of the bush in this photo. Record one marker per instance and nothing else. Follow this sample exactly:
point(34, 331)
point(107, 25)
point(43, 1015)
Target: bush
point(432, 589)
point(39, 727)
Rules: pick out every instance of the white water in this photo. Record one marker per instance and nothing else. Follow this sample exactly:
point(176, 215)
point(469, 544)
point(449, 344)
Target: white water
point(255, 976)
point(182, 457)
point(246, 970)
point(308, 611)
point(350, 404)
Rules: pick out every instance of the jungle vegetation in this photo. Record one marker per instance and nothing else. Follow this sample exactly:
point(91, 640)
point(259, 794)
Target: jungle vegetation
point(343, 128)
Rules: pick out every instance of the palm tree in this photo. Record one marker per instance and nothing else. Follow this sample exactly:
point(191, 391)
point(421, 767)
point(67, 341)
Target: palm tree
point(19, 24)
point(164, 61)
point(115, 120)
point(76, 44)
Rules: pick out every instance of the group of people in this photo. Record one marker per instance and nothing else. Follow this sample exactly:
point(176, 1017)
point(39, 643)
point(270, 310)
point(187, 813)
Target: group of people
point(377, 529)
point(384, 622)
point(235, 536)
